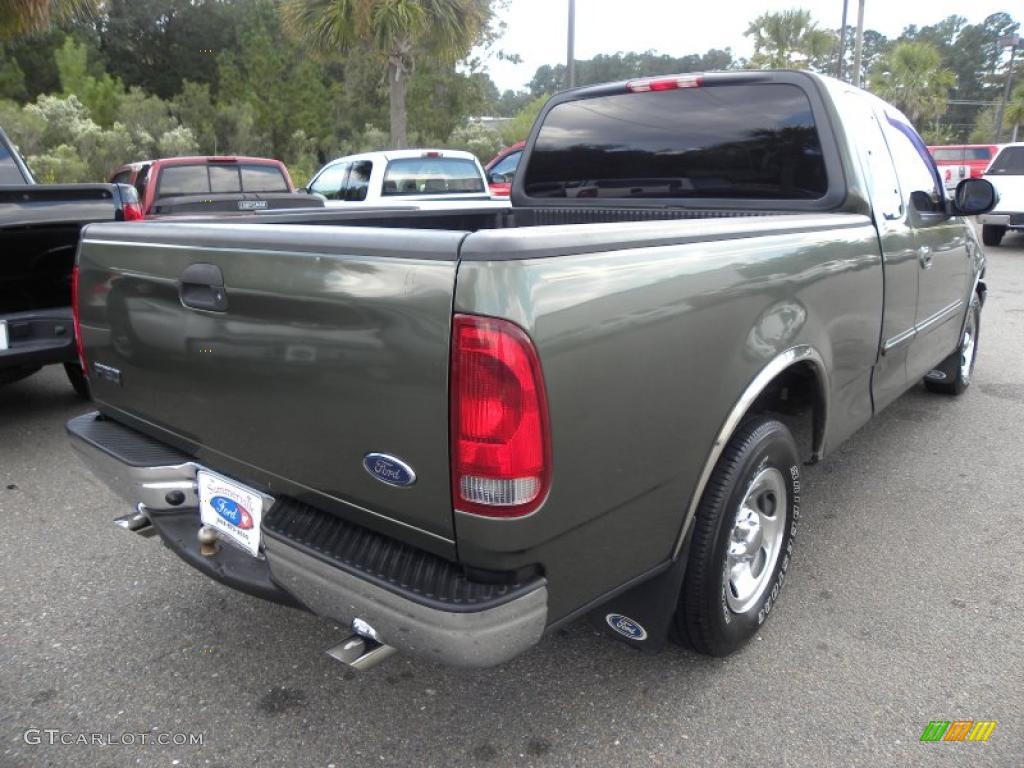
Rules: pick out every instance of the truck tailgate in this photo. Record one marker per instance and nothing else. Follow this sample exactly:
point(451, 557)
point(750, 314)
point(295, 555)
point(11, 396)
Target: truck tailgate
point(332, 344)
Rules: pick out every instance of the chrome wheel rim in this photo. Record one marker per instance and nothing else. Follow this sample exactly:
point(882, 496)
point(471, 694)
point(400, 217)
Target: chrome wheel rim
point(967, 350)
point(756, 539)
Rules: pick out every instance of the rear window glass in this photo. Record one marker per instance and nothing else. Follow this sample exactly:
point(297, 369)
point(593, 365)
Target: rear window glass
point(963, 154)
point(184, 180)
point(9, 171)
point(1009, 162)
point(263, 178)
point(431, 176)
point(224, 178)
point(730, 141)
point(220, 178)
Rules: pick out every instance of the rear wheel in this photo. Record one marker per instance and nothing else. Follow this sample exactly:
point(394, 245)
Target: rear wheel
point(953, 375)
point(742, 539)
point(992, 234)
point(77, 379)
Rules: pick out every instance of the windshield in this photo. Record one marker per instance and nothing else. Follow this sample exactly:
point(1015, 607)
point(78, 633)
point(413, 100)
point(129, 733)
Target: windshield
point(731, 141)
point(1010, 162)
point(431, 176)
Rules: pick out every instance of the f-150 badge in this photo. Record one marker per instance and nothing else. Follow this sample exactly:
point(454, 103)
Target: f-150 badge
point(389, 469)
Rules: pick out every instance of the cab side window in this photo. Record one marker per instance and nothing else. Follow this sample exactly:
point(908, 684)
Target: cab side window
point(915, 168)
point(874, 154)
point(332, 182)
point(358, 181)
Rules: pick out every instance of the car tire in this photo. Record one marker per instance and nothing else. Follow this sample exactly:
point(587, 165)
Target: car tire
point(77, 378)
point(953, 375)
point(742, 539)
point(992, 234)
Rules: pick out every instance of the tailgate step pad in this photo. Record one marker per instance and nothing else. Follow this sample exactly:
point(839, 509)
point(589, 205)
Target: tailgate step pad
point(415, 574)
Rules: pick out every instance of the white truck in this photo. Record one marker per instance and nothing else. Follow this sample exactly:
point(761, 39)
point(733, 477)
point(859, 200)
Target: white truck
point(420, 178)
point(1007, 175)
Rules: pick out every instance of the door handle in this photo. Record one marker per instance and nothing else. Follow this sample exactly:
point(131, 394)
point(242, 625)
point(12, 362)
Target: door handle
point(202, 287)
point(924, 255)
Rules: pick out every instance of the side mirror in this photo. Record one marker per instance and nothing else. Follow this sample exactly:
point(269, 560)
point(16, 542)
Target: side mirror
point(973, 197)
point(926, 210)
point(497, 178)
point(303, 190)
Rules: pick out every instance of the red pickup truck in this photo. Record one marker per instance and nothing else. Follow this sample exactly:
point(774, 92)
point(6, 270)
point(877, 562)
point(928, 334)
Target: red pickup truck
point(212, 184)
point(962, 161)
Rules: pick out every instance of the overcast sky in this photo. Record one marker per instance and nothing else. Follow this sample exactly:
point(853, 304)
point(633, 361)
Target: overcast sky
point(537, 28)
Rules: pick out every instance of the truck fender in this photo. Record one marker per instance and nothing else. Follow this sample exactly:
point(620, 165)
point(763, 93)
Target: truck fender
point(790, 357)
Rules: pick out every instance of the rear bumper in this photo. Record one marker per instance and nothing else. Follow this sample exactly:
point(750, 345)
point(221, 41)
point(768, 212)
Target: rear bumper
point(39, 337)
point(417, 602)
point(1010, 220)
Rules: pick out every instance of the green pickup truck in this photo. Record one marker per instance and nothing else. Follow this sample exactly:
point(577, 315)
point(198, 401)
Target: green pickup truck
point(454, 431)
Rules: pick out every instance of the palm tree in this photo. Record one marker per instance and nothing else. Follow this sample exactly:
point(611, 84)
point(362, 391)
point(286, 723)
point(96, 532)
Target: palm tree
point(911, 77)
point(1015, 111)
point(788, 39)
point(19, 18)
point(397, 32)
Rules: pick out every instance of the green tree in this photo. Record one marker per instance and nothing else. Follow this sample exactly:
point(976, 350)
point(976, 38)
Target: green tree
point(1014, 114)
point(518, 128)
point(984, 127)
point(101, 95)
point(21, 18)
point(911, 77)
point(397, 33)
point(790, 40)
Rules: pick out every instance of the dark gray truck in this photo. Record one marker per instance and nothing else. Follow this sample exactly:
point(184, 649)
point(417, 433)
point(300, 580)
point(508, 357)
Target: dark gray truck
point(39, 230)
point(455, 431)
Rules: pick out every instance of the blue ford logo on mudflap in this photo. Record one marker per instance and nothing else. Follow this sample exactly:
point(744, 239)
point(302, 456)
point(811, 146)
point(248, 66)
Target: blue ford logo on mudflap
point(389, 469)
point(232, 511)
point(625, 626)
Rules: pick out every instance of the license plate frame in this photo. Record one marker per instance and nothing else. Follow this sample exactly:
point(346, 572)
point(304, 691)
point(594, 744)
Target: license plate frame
point(231, 508)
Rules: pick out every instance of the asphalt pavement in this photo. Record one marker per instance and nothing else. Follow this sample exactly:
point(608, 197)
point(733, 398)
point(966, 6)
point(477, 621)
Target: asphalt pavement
point(904, 604)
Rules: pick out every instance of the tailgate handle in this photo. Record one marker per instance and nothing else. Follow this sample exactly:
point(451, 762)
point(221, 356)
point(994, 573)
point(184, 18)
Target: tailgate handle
point(202, 287)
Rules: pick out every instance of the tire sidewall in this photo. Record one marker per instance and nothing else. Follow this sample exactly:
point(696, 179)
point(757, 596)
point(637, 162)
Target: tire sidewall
point(773, 447)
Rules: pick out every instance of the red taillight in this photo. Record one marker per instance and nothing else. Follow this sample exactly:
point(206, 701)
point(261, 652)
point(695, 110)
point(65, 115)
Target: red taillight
point(77, 322)
point(977, 173)
point(665, 83)
point(500, 443)
point(133, 212)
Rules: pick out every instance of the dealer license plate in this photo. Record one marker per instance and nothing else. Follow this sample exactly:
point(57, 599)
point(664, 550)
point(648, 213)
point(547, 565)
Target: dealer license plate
point(232, 509)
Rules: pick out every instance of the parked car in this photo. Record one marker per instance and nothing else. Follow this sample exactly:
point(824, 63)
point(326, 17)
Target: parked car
point(455, 431)
point(1007, 175)
point(502, 169)
point(957, 162)
point(39, 227)
point(401, 177)
point(212, 184)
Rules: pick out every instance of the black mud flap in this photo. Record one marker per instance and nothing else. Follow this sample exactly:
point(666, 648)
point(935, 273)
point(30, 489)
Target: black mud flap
point(642, 616)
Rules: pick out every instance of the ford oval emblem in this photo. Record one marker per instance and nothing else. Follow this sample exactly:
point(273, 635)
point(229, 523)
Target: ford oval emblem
point(625, 626)
point(232, 511)
point(389, 469)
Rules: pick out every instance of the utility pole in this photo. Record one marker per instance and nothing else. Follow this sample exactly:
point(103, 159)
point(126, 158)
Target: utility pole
point(842, 42)
point(858, 45)
point(1013, 41)
point(570, 56)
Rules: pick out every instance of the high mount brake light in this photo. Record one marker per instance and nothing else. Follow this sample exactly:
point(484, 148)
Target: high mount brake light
point(665, 83)
point(500, 439)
